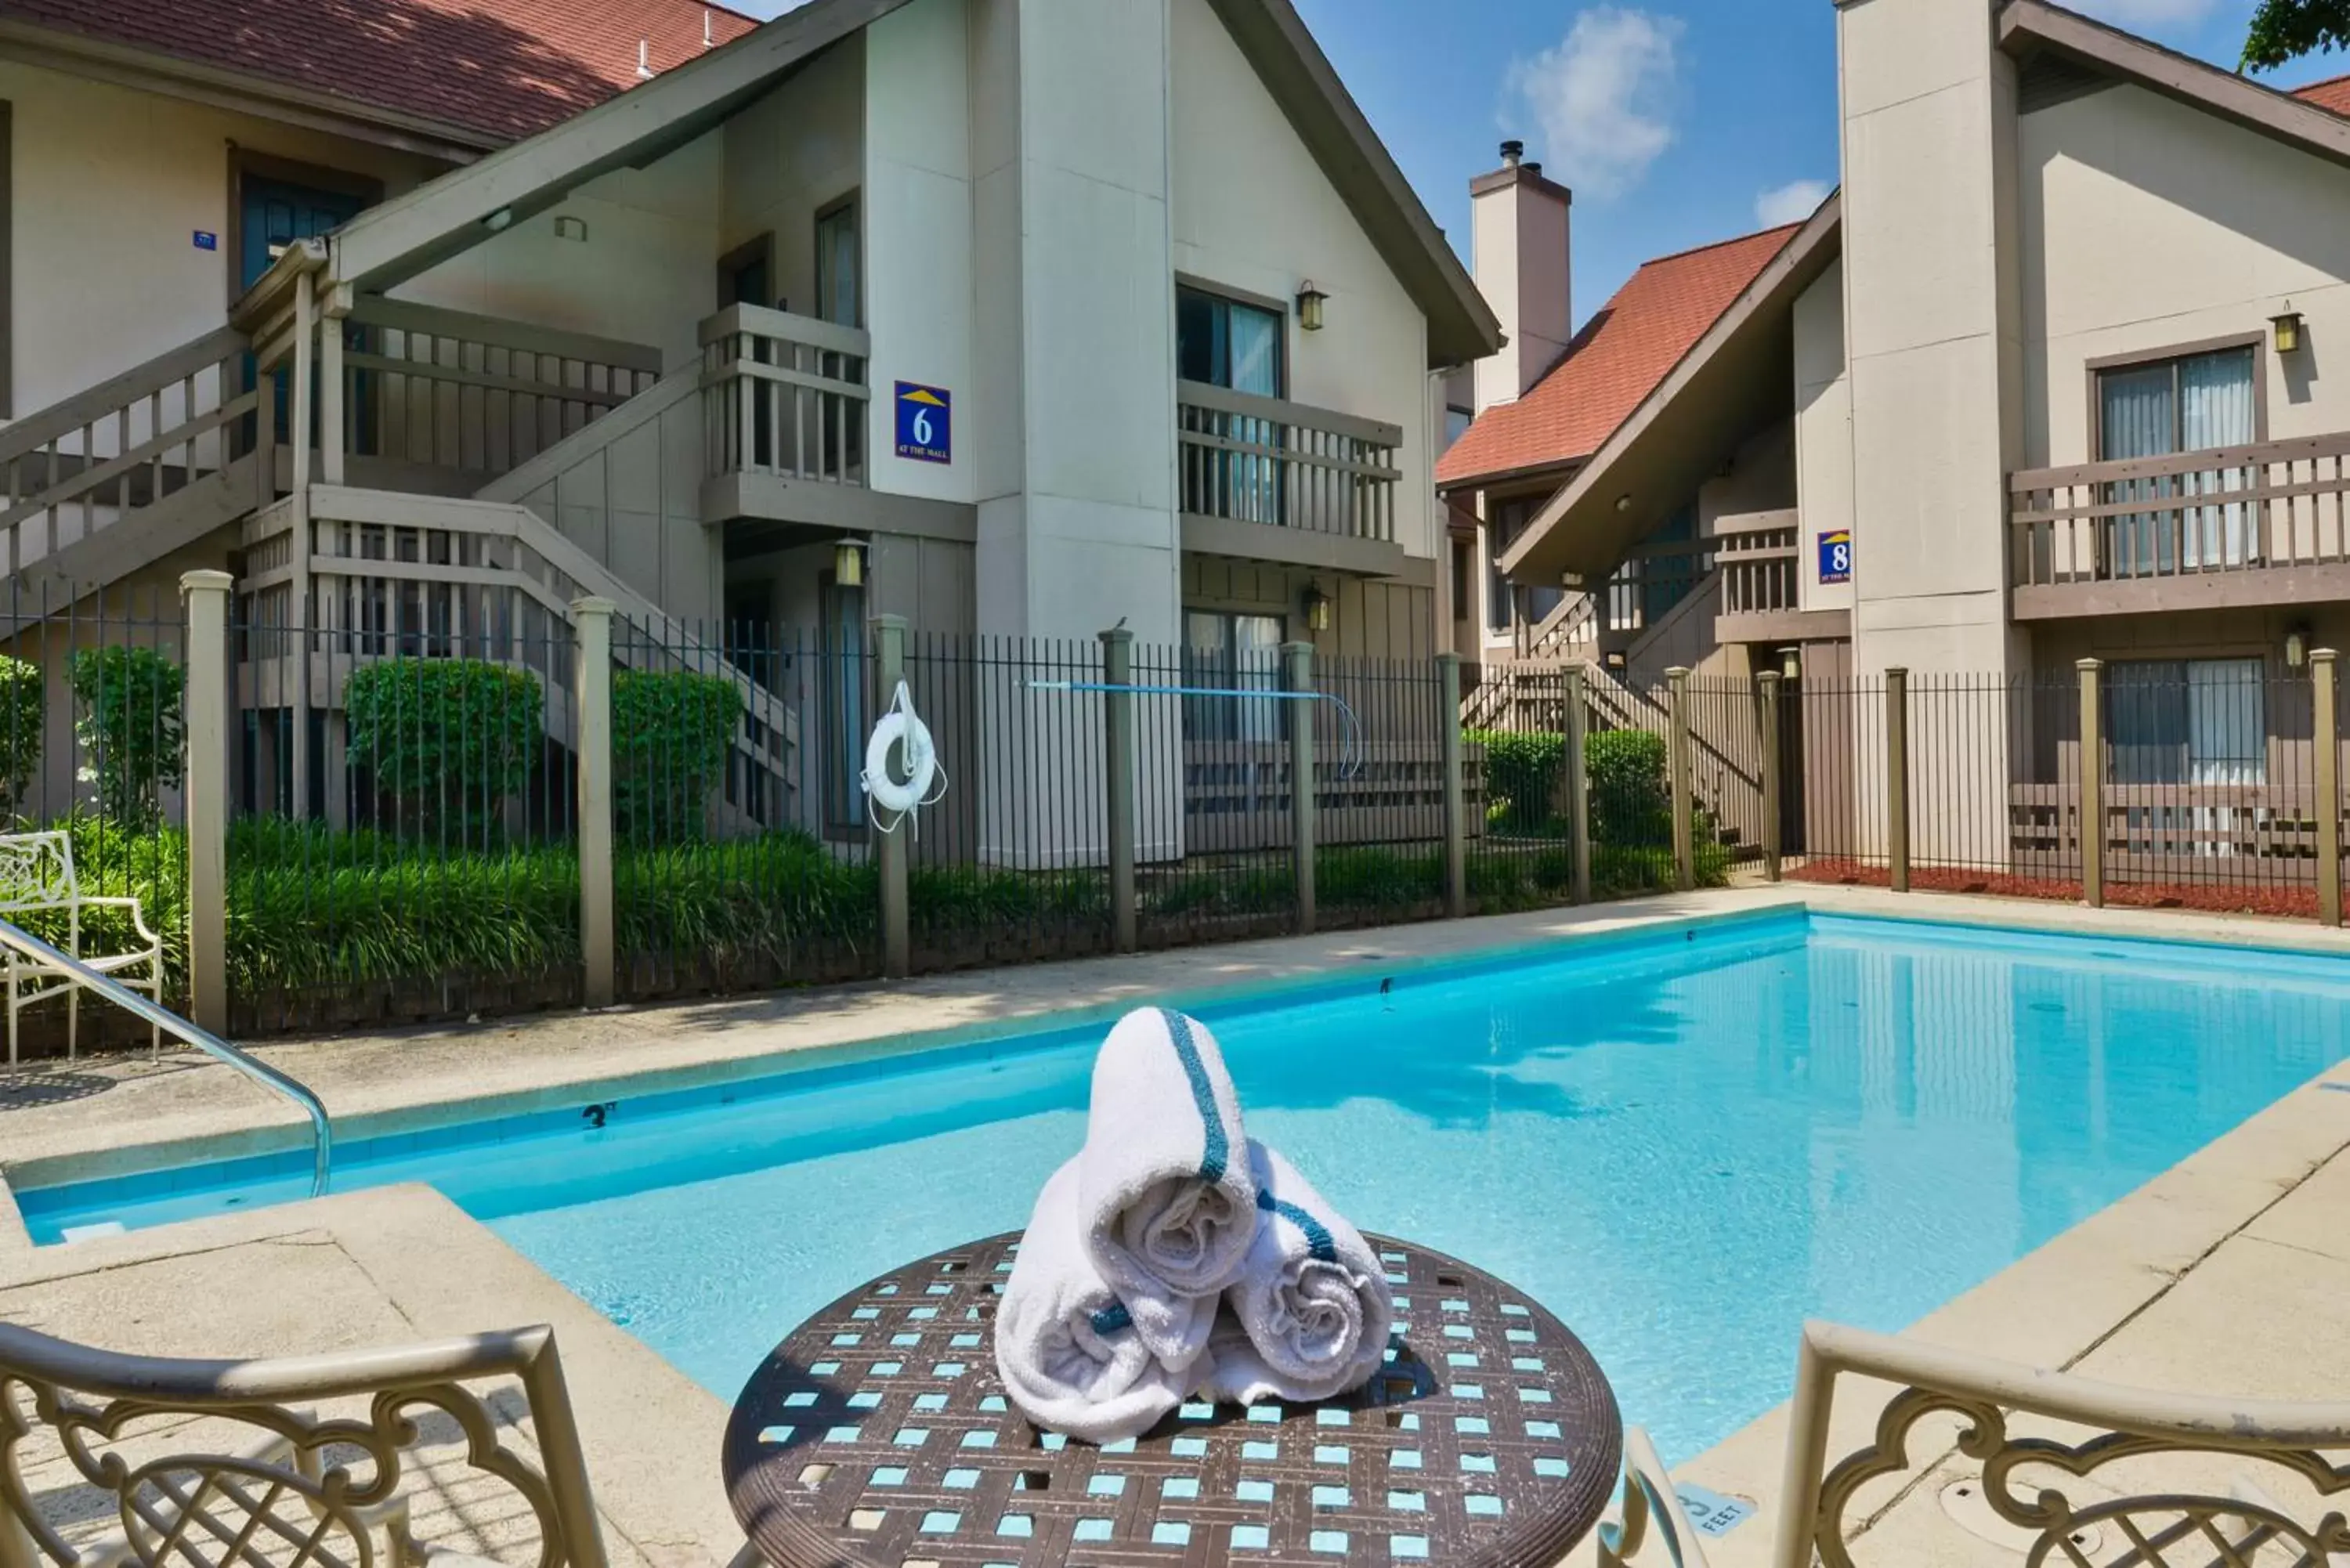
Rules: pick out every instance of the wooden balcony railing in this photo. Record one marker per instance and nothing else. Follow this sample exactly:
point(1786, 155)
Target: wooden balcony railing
point(2154, 532)
point(1248, 459)
point(785, 396)
point(1758, 566)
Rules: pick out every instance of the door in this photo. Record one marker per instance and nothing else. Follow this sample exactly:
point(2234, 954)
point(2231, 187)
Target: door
point(274, 214)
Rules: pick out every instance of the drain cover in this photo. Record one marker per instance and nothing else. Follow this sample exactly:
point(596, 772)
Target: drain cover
point(1964, 1501)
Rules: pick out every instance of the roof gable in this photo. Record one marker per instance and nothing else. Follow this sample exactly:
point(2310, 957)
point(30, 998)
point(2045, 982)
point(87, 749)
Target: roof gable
point(1620, 357)
point(499, 70)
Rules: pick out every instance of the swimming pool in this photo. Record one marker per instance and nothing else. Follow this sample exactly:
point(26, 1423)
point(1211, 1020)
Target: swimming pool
point(1682, 1141)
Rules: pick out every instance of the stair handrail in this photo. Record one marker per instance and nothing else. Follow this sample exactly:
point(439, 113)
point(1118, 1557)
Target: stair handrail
point(27, 435)
point(321, 1133)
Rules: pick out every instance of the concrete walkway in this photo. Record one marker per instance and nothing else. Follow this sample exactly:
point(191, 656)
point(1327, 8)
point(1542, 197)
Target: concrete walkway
point(2228, 1273)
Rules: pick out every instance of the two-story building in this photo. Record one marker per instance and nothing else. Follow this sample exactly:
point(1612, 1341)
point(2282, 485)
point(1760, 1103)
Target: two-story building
point(1017, 317)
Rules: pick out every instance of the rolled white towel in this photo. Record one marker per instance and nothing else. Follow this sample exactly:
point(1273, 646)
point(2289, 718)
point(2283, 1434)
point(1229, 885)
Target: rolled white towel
point(1169, 1203)
point(1069, 1356)
point(1310, 1316)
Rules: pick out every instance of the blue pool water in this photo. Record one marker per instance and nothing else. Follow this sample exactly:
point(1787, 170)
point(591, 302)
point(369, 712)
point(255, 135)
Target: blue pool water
point(1682, 1144)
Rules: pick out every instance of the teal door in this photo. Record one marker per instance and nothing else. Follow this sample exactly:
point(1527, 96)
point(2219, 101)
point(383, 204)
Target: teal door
point(277, 213)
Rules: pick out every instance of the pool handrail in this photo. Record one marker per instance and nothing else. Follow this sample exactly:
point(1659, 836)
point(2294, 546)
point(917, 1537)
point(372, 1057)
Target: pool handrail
point(322, 1135)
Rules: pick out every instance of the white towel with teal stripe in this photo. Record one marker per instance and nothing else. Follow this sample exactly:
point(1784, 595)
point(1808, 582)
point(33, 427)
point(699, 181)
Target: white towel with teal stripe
point(1067, 1353)
point(1167, 1203)
point(1310, 1316)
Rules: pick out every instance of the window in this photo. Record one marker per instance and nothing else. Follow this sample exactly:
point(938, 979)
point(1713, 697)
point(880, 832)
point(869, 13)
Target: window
point(1225, 343)
point(1231, 653)
point(1464, 579)
point(839, 266)
point(2189, 722)
point(1456, 425)
point(2193, 403)
point(1508, 519)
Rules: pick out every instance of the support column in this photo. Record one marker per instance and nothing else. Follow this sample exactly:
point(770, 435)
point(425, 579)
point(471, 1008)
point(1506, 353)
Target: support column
point(1677, 682)
point(1896, 776)
point(591, 620)
point(300, 438)
point(2093, 783)
point(206, 723)
point(1772, 848)
point(890, 850)
point(2324, 678)
point(1117, 740)
point(1297, 663)
point(331, 390)
point(1578, 765)
point(1456, 786)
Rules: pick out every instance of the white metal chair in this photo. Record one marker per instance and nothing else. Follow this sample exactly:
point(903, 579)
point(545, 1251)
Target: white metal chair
point(2064, 1469)
point(107, 1460)
point(37, 879)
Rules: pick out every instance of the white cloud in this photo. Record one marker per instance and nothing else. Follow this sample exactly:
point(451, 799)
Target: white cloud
point(1791, 202)
point(2148, 13)
point(1603, 96)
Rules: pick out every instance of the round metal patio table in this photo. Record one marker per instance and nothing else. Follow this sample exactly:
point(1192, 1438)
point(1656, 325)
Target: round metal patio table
point(878, 1434)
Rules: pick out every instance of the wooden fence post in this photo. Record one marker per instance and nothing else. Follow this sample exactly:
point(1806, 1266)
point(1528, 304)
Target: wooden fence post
point(206, 727)
point(2093, 783)
point(591, 621)
point(1677, 682)
point(1117, 741)
point(1456, 786)
point(1578, 763)
point(891, 848)
point(1772, 855)
point(1297, 663)
point(1896, 776)
point(2324, 681)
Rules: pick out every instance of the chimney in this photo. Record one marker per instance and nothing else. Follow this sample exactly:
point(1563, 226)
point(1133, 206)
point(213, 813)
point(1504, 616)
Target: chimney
point(1519, 231)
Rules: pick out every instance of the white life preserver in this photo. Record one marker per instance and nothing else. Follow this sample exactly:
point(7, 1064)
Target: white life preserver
point(901, 726)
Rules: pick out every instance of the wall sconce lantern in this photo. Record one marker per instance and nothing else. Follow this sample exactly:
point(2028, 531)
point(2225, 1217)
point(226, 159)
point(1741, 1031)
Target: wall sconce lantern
point(848, 564)
point(1310, 301)
point(2287, 328)
point(1623, 504)
point(2296, 649)
point(1791, 663)
point(1317, 610)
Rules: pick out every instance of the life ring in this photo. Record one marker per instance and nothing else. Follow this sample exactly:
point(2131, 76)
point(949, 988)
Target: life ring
point(901, 727)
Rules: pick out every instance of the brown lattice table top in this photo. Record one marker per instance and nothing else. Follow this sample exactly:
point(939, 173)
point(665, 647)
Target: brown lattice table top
point(878, 1434)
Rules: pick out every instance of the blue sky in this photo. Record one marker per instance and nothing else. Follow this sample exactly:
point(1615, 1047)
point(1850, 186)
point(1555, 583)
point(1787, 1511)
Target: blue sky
point(1678, 122)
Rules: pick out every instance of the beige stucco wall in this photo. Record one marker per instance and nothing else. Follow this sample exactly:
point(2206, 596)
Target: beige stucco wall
point(2242, 225)
point(1254, 213)
point(1823, 436)
point(792, 154)
point(109, 187)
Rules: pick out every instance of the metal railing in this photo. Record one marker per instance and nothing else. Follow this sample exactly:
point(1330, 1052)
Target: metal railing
point(219, 1050)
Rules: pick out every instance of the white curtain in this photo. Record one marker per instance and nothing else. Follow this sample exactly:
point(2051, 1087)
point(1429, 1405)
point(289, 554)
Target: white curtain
point(2215, 410)
point(2140, 418)
point(2227, 735)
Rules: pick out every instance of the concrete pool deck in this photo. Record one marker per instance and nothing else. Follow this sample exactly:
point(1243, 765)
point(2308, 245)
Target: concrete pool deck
point(2228, 1273)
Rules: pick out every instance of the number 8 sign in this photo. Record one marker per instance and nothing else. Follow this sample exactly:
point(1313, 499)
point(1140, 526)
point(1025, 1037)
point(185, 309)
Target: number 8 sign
point(925, 423)
point(1835, 556)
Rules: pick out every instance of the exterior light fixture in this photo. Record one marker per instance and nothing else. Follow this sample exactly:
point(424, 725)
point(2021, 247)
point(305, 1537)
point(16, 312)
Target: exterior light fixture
point(1310, 301)
point(1623, 504)
point(570, 228)
point(848, 564)
point(1616, 662)
point(499, 221)
point(1317, 609)
point(2296, 649)
point(1791, 663)
point(2287, 328)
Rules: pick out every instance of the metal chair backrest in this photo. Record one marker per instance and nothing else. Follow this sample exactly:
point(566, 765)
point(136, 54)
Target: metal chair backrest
point(146, 1435)
point(37, 872)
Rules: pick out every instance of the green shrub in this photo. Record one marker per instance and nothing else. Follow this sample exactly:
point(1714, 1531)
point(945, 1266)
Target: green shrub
point(1631, 791)
point(671, 732)
point(23, 709)
point(127, 703)
point(446, 740)
point(1523, 774)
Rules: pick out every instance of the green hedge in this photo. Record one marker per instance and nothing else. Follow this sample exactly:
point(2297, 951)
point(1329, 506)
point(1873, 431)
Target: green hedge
point(127, 718)
point(445, 740)
point(671, 735)
point(23, 709)
point(1521, 777)
point(1631, 791)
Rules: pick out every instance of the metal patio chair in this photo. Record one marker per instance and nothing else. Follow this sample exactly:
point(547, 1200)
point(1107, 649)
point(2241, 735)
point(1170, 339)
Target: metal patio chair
point(108, 1460)
point(2054, 1469)
point(38, 883)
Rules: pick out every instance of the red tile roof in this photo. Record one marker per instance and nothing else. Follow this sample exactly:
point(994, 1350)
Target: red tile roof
point(1621, 356)
point(2331, 94)
point(502, 68)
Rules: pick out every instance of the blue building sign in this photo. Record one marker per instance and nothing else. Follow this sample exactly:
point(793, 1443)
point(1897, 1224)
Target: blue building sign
point(1835, 556)
point(206, 240)
point(925, 423)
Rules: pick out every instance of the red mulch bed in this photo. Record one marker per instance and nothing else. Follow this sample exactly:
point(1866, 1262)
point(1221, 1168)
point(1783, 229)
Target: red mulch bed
point(2293, 903)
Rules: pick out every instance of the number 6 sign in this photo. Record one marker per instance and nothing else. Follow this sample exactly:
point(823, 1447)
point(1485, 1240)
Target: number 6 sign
point(925, 423)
